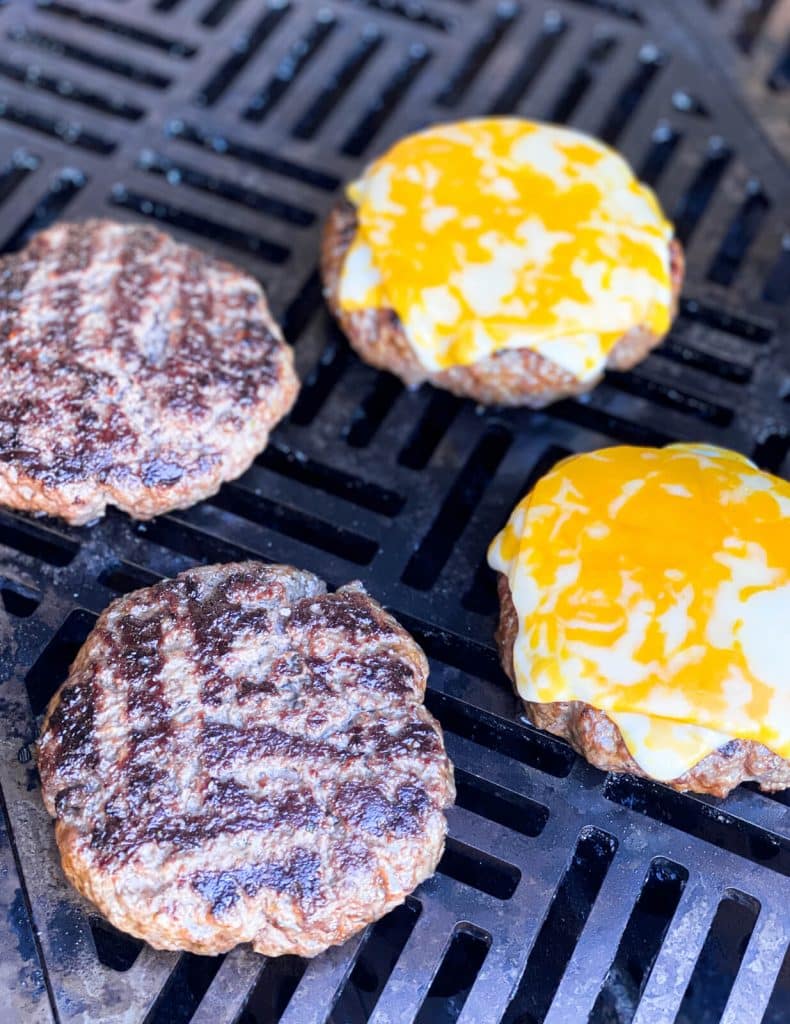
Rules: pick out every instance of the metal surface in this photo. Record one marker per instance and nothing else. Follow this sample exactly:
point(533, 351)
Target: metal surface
point(750, 40)
point(564, 895)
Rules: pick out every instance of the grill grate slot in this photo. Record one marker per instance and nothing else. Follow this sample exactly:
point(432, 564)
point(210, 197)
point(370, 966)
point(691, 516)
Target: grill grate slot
point(617, 8)
point(244, 49)
point(178, 174)
point(57, 197)
point(390, 96)
point(562, 927)
point(125, 578)
point(672, 398)
point(113, 948)
point(15, 172)
point(663, 143)
point(583, 78)
point(720, 958)
point(779, 79)
point(372, 411)
point(470, 67)
point(73, 92)
point(651, 60)
point(338, 83)
point(172, 47)
point(91, 58)
point(700, 192)
point(497, 804)
point(412, 11)
point(274, 989)
point(17, 599)
point(457, 973)
point(216, 13)
point(185, 988)
point(382, 946)
point(441, 410)
point(297, 466)
point(777, 284)
point(69, 132)
point(294, 62)
point(29, 539)
point(423, 568)
point(320, 382)
point(776, 1010)
point(177, 217)
point(52, 666)
point(354, 547)
point(679, 352)
point(479, 870)
point(705, 821)
point(740, 235)
point(642, 939)
point(248, 154)
point(194, 544)
point(533, 748)
point(751, 22)
point(537, 57)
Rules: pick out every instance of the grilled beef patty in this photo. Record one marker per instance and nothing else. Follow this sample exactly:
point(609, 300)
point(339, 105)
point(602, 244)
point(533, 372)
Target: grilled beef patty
point(510, 377)
point(593, 734)
point(134, 371)
point(239, 756)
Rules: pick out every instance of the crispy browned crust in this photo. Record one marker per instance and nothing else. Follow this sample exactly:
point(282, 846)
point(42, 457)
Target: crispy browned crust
point(239, 756)
point(134, 371)
point(513, 377)
point(595, 736)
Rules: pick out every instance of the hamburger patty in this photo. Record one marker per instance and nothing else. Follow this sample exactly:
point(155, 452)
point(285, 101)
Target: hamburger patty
point(134, 371)
point(239, 756)
point(593, 734)
point(509, 377)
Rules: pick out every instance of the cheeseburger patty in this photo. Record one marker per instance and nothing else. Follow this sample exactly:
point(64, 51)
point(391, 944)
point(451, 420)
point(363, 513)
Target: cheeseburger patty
point(239, 756)
point(593, 734)
point(134, 371)
point(509, 377)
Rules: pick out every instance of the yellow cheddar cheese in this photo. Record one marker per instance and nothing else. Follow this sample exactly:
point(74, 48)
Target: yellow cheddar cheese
point(501, 233)
point(655, 586)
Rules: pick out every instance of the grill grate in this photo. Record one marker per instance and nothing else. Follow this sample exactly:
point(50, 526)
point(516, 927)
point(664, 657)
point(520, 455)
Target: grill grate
point(564, 895)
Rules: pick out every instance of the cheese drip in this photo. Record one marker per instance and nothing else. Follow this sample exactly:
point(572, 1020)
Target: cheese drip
point(655, 585)
point(501, 234)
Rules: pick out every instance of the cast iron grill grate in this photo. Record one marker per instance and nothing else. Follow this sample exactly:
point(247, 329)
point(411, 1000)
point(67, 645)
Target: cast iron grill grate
point(564, 895)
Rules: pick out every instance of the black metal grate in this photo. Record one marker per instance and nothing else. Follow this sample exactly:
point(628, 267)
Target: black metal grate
point(750, 40)
point(564, 895)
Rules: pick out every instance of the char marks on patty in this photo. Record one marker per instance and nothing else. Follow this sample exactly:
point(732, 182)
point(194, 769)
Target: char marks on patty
point(135, 371)
point(240, 743)
point(508, 377)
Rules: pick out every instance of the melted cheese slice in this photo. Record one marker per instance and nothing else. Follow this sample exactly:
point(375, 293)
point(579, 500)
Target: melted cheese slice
point(502, 233)
point(655, 585)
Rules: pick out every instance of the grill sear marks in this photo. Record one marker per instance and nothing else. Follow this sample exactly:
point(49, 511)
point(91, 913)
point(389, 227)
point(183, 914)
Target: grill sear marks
point(129, 361)
point(298, 876)
point(217, 621)
point(256, 733)
point(367, 807)
point(72, 728)
point(230, 809)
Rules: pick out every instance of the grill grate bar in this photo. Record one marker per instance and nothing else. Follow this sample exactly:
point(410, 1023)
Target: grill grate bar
point(414, 972)
point(231, 987)
point(598, 942)
point(762, 960)
point(321, 984)
point(678, 956)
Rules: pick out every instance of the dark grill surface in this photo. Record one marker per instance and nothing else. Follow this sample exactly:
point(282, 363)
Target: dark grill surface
point(564, 895)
